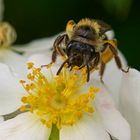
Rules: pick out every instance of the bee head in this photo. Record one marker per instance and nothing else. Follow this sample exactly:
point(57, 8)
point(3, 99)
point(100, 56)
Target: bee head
point(79, 54)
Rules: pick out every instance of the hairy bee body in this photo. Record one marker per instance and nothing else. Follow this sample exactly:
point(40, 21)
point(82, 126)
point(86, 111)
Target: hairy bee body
point(86, 45)
point(94, 31)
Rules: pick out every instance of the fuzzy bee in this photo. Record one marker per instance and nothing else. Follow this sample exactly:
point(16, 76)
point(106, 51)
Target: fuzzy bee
point(86, 45)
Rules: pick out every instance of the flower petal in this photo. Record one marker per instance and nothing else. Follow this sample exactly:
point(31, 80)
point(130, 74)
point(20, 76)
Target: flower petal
point(88, 128)
point(1, 119)
point(36, 46)
point(15, 61)
point(40, 59)
point(10, 91)
point(110, 34)
point(130, 101)
point(44, 59)
point(24, 126)
point(113, 121)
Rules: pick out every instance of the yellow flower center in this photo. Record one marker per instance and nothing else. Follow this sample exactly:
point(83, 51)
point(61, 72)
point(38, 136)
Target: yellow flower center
point(58, 100)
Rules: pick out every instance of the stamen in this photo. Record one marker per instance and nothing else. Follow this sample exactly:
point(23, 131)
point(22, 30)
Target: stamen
point(58, 101)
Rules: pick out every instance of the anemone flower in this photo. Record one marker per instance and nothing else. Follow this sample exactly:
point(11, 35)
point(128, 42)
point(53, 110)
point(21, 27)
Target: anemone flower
point(63, 107)
point(99, 118)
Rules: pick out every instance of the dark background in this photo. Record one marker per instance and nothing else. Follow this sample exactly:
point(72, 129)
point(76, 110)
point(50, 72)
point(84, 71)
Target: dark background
point(42, 18)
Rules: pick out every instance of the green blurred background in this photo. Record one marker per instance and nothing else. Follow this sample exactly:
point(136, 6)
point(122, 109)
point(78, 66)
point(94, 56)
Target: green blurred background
point(42, 18)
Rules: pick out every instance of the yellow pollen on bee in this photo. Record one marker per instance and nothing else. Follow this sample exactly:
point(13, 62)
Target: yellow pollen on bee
point(58, 101)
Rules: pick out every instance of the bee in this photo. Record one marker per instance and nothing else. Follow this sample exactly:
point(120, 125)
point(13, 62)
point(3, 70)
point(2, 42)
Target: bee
point(86, 45)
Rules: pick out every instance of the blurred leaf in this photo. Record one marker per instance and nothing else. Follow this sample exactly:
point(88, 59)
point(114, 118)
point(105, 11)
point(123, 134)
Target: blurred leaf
point(1, 9)
point(119, 8)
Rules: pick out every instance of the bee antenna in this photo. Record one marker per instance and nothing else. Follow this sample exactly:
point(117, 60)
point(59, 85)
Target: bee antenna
point(59, 70)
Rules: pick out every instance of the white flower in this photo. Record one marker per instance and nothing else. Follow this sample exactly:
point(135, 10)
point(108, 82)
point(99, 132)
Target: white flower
point(90, 126)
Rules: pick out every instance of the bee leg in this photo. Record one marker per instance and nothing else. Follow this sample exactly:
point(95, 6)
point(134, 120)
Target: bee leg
point(59, 70)
point(54, 56)
point(101, 72)
point(88, 73)
point(117, 59)
point(57, 49)
point(119, 64)
point(95, 63)
point(111, 138)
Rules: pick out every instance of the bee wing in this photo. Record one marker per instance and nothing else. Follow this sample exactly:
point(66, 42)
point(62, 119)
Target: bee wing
point(106, 29)
point(104, 26)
